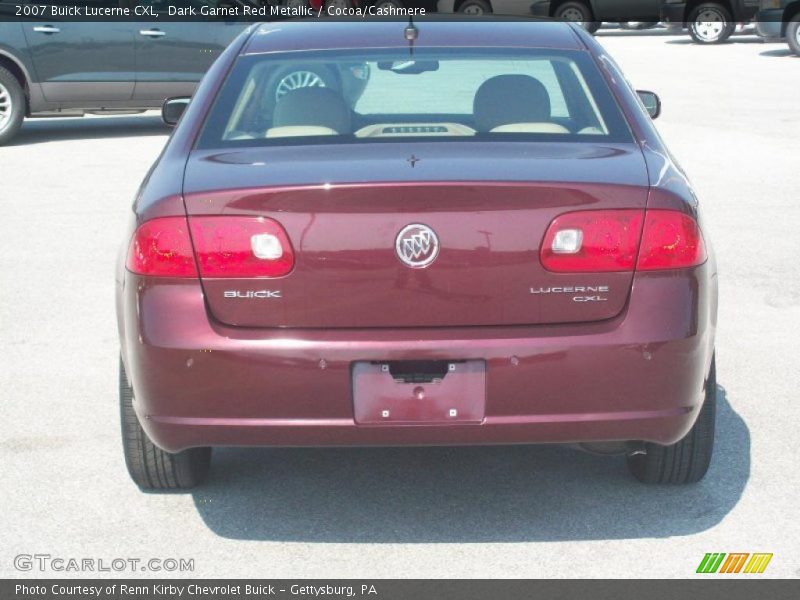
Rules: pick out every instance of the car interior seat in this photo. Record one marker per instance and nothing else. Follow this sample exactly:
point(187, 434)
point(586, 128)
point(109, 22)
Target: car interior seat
point(310, 111)
point(514, 104)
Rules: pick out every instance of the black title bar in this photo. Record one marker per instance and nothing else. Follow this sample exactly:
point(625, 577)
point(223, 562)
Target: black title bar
point(226, 10)
point(711, 587)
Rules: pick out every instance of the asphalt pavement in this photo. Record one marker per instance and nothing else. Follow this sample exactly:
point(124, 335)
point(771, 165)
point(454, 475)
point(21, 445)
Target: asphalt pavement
point(731, 116)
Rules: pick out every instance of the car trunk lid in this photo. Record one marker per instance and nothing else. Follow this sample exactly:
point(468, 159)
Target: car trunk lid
point(343, 207)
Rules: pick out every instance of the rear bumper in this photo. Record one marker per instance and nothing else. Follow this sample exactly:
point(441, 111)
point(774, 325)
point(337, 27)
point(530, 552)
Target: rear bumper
point(639, 376)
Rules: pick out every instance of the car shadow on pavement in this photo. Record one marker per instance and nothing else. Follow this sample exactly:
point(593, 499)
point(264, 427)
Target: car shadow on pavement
point(35, 131)
point(641, 33)
point(463, 495)
point(739, 38)
point(780, 52)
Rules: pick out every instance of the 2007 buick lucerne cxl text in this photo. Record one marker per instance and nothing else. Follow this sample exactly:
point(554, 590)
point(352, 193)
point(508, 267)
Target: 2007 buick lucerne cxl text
point(471, 234)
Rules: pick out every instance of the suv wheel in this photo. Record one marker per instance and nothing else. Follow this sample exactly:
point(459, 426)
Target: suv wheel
point(577, 12)
point(475, 7)
point(149, 466)
point(710, 23)
point(793, 34)
point(687, 460)
point(12, 105)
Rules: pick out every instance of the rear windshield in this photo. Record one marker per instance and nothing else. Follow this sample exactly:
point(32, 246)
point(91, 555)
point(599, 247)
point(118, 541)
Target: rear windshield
point(377, 95)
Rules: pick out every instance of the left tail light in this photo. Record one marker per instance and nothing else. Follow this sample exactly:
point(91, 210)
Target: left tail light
point(162, 248)
point(241, 247)
point(220, 246)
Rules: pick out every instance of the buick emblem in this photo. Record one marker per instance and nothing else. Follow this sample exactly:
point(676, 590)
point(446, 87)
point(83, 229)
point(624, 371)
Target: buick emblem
point(417, 245)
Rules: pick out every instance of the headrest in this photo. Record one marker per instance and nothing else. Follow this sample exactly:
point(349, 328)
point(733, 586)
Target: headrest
point(317, 106)
point(505, 99)
point(299, 131)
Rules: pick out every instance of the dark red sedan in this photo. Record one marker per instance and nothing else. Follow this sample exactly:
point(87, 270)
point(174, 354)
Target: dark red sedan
point(488, 244)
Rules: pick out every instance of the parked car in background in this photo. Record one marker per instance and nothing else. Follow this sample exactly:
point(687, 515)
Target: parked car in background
point(428, 5)
point(473, 253)
point(591, 13)
point(708, 22)
point(64, 68)
point(780, 19)
point(588, 13)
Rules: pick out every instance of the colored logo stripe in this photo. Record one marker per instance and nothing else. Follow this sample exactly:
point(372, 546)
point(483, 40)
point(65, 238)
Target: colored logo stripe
point(734, 562)
point(713, 562)
point(758, 563)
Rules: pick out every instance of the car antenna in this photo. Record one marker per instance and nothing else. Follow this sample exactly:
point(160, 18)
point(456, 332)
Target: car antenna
point(411, 34)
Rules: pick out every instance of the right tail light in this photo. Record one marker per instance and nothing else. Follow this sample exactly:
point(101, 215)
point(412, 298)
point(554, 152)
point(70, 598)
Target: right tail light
point(596, 241)
point(670, 240)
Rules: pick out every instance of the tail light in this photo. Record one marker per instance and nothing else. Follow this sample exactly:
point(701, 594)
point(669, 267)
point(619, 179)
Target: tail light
point(671, 240)
point(162, 248)
point(241, 247)
point(224, 247)
point(595, 241)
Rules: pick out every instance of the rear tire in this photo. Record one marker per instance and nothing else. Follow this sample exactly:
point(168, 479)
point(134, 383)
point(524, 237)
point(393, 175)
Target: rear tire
point(793, 34)
point(12, 105)
point(710, 23)
point(150, 467)
point(577, 12)
point(475, 8)
point(687, 460)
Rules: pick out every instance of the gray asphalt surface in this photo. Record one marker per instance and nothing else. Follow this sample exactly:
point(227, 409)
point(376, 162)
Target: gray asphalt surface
point(731, 116)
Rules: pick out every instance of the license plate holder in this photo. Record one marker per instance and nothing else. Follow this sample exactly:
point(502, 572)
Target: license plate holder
point(381, 398)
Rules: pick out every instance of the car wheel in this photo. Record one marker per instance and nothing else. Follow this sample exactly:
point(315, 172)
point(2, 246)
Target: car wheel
point(295, 78)
point(12, 106)
point(475, 8)
point(687, 460)
point(710, 24)
point(150, 467)
point(577, 12)
point(637, 25)
point(793, 34)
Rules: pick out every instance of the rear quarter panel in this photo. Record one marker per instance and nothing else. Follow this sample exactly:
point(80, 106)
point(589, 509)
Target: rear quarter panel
point(670, 188)
point(160, 194)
